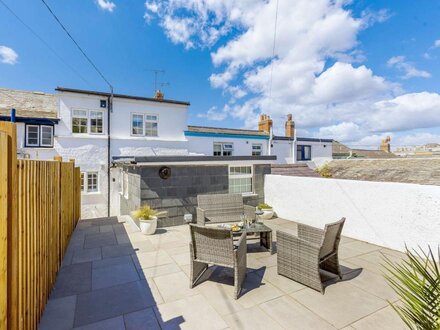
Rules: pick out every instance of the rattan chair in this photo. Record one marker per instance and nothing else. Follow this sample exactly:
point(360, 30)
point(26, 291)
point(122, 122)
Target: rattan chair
point(215, 246)
point(301, 257)
point(219, 208)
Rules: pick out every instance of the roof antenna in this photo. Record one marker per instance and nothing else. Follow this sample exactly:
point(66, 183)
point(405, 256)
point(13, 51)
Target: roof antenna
point(156, 73)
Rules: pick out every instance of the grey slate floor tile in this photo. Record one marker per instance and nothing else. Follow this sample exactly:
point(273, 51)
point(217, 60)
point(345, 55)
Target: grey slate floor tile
point(58, 314)
point(73, 279)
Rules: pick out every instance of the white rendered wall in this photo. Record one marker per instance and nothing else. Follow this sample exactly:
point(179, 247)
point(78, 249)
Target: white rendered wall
point(283, 150)
point(242, 146)
point(382, 213)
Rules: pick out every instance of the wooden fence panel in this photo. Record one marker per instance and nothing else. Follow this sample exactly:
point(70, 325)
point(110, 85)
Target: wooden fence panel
point(4, 159)
point(39, 203)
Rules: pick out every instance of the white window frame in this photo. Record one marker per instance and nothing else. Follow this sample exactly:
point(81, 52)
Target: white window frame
point(131, 123)
point(89, 119)
point(51, 135)
point(242, 176)
point(144, 121)
point(38, 137)
point(260, 150)
point(85, 182)
point(223, 149)
point(89, 122)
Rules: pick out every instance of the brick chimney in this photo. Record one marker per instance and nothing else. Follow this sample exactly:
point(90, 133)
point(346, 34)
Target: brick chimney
point(385, 145)
point(265, 123)
point(158, 95)
point(290, 126)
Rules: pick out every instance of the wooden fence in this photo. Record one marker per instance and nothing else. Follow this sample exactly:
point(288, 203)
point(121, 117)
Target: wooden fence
point(39, 207)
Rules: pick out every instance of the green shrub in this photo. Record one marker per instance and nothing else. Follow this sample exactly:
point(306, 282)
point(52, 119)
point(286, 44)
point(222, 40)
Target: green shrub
point(264, 206)
point(417, 282)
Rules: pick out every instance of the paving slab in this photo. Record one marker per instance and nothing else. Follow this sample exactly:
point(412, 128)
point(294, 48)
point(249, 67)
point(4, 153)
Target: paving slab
point(85, 255)
point(99, 240)
point(189, 313)
point(251, 318)
point(385, 319)
point(287, 312)
point(174, 286)
point(151, 259)
point(58, 314)
point(342, 303)
point(116, 323)
point(113, 301)
point(73, 279)
point(146, 273)
point(141, 320)
point(113, 275)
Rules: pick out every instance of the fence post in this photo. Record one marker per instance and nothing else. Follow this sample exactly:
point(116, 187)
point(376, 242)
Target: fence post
point(10, 130)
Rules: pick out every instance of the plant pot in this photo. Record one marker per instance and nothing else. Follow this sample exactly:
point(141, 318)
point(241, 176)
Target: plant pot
point(267, 214)
point(148, 227)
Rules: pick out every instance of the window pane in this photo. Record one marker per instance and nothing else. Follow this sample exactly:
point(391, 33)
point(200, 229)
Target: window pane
point(96, 120)
point(79, 113)
point(92, 182)
point(307, 152)
point(150, 117)
point(46, 135)
point(151, 129)
point(82, 181)
point(79, 125)
point(256, 149)
point(137, 124)
point(32, 135)
point(217, 149)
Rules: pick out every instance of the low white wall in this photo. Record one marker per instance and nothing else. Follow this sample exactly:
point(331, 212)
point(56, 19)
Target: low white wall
point(382, 213)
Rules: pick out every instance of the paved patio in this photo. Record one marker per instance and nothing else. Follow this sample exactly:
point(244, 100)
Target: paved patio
point(113, 277)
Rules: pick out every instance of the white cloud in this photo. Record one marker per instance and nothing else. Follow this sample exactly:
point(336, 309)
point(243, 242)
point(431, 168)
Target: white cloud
point(317, 73)
point(407, 68)
point(417, 139)
point(8, 55)
point(437, 43)
point(214, 114)
point(106, 5)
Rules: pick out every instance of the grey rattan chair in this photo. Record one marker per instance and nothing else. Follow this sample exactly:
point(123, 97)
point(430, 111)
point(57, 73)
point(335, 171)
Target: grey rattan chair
point(215, 246)
point(219, 208)
point(301, 257)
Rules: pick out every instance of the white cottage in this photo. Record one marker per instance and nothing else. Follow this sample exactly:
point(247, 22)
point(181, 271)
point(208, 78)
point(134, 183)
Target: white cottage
point(100, 132)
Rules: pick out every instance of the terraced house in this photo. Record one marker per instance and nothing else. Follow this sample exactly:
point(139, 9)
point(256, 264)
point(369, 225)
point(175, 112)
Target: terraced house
point(134, 150)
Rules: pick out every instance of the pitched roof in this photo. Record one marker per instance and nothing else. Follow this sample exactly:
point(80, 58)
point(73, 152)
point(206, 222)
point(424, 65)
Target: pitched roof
point(121, 96)
point(233, 131)
point(342, 151)
point(28, 104)
point(406, 170)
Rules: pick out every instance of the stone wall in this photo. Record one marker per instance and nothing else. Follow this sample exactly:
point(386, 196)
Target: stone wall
point(178, 194)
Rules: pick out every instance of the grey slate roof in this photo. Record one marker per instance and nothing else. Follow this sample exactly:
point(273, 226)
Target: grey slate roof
point(218, 130)
point(302, 139)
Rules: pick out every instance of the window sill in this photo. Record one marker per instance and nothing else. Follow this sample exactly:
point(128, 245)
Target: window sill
point(90, 193)
point(249, 194)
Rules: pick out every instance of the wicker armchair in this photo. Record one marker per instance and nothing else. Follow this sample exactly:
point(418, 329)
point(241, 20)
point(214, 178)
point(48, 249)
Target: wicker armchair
point(219, 208)
point(301, 257)
point(215, 246)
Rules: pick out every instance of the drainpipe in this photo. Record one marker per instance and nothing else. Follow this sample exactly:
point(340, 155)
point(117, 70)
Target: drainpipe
point(294, 147)
point(109, 110)
point(269, 148)
point(13, 119)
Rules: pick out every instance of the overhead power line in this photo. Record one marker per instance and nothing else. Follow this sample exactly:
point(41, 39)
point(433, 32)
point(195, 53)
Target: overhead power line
point(78, 46)
point(44, 42)
point(273, 48)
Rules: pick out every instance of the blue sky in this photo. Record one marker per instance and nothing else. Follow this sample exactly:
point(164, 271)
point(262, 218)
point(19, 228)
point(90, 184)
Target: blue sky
point(355, 71)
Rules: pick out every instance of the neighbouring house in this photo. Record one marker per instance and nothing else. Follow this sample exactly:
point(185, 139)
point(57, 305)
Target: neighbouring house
point(341, 151)
point(121, 149)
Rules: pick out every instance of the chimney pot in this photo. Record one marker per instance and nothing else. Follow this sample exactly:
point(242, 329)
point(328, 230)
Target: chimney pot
point(290, 126)
point(265, 123)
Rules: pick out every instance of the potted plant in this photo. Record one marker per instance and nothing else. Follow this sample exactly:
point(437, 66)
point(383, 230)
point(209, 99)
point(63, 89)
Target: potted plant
point(147, 218)
point(267, 211)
